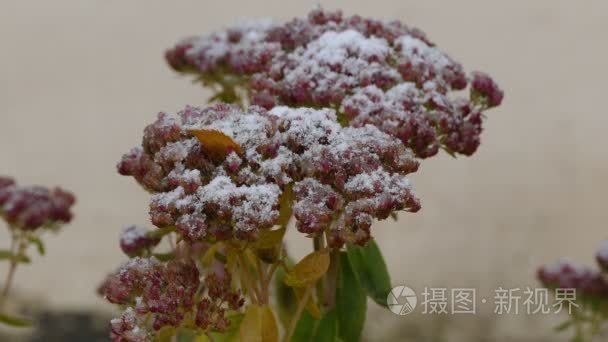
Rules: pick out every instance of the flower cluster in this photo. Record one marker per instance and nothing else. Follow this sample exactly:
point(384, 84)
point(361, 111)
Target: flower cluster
point(167, 294)
point(342, 177)
point(31, 207)
point(128, 328)
point(591, 296)
point(136, 240)
point(565, 274)
point(372, 72)
point(588, 281)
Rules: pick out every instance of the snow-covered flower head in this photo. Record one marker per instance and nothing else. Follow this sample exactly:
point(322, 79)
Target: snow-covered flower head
point(136, 240)
point(370, 71)
point(168, 293)
point(218, 173)
point(33, 207)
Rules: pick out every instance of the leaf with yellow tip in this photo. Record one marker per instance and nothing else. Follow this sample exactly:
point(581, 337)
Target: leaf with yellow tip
point(216, 143)
point(306, 272)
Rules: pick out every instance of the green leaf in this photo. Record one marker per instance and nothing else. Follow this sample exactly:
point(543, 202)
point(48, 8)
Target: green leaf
point(23, 259)
point(370, 269)
point(39, 245)
point(351, 302)
point(14, 321)
point(304, 329)
point(159, 233)
point(394, 216)
point(5, 254)
point(164, 256)
point(327, 329)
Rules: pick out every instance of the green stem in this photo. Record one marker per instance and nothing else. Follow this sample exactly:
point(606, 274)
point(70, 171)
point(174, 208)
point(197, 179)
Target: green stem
point(17, 248)
point(296, 316)
point(261, 269)
point(331, 279)
point(210, 337)
point(319, 244)
point(252, 289)
point(268, 278)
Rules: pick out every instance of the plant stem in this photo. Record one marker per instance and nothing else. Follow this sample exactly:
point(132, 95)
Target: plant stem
point(262, 281)
point(296, 316)
point(331, 278)
point(253, 290)
point(270, 273)
point(319, 244)
point(16, 249)
point(210, 337)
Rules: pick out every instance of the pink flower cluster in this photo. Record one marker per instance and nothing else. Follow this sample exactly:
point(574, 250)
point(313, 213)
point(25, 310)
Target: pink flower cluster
point(136, 240)
point(588, 281)
point(32, 207)
point(371, 72)
point(342, 177)
point(167, 293)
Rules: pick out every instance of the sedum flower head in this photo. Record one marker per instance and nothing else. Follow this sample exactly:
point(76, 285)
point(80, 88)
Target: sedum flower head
point(587, 280)
point(342, 177)
point(372, 72)
point(135, 240)
point(168, 295)
point(568, 275)
point(33, 207)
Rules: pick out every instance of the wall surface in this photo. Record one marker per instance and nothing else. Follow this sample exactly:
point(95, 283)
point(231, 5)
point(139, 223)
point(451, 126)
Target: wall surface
point(79, 79)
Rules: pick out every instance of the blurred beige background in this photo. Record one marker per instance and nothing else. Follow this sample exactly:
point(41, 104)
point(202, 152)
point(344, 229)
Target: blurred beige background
point(79, 79)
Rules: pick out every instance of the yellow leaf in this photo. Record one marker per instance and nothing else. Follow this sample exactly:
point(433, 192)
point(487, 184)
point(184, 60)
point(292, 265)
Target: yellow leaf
point(201, 338)
point(216, 143)
point(251, 326)
point(250, 257)
point(311, 304)
point(270, 330)
point(231, 263)
point(268, 245)
point(306, 272)
point(285, 205)
point(165, 334)
point(269, 238)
